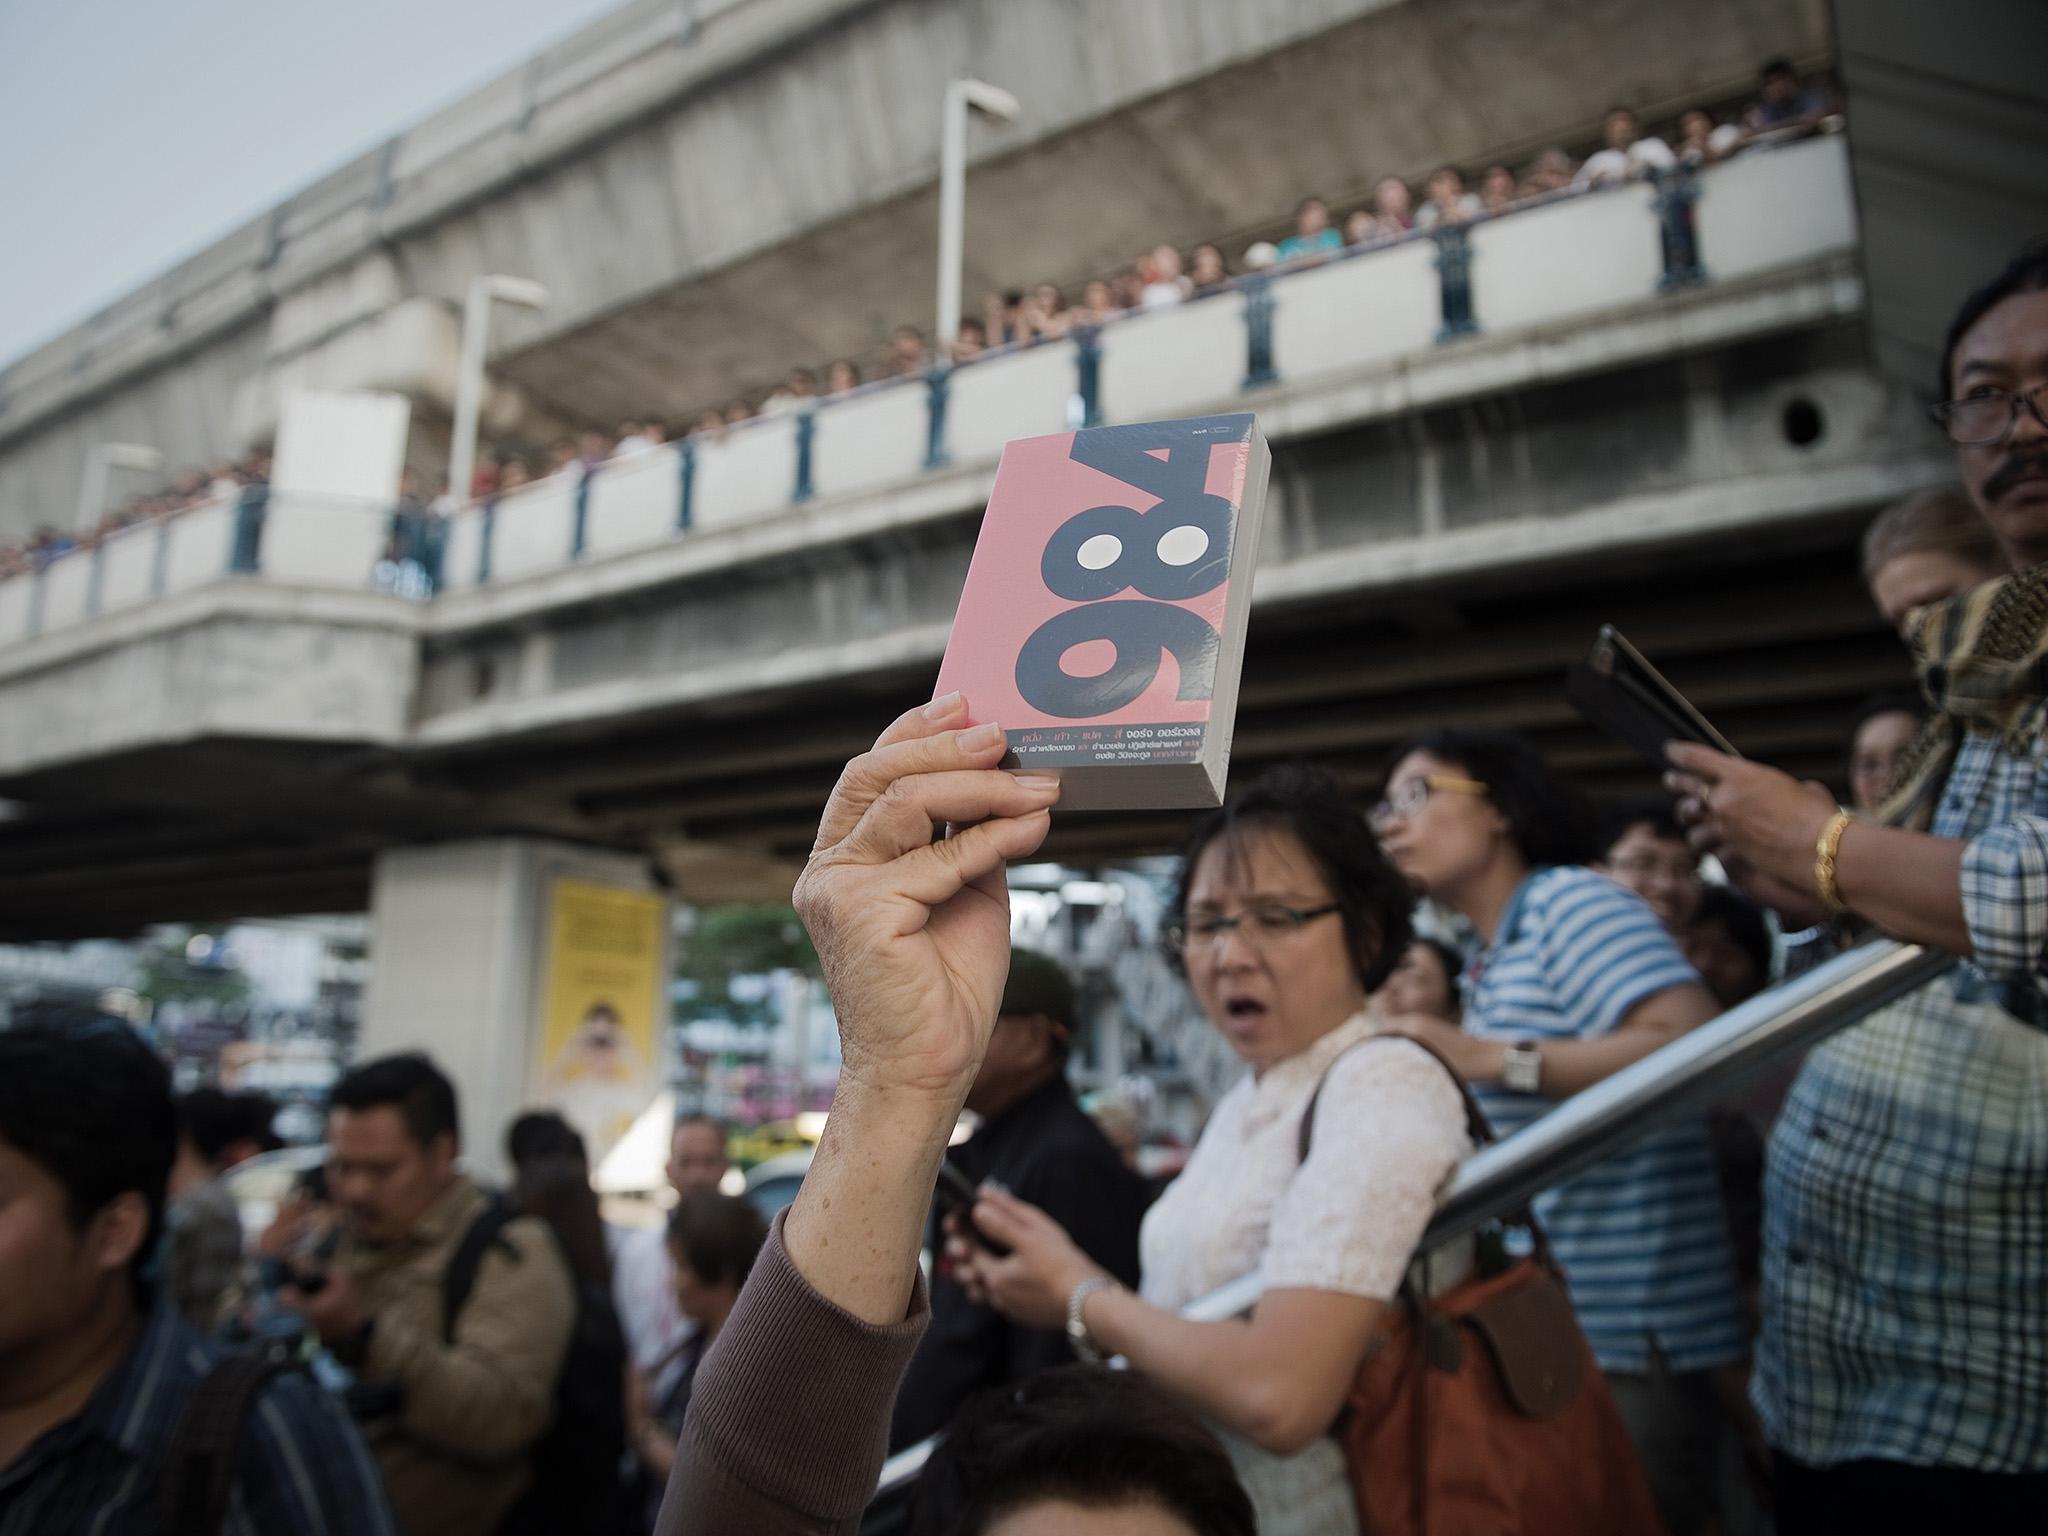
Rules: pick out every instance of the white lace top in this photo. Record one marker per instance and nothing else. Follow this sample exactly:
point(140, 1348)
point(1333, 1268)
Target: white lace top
point(1389, 1133)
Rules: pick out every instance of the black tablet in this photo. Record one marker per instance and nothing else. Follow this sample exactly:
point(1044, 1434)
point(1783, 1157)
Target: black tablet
point(1618, 690)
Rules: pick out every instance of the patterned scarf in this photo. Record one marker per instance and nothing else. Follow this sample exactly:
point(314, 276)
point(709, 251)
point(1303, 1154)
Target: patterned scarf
point(1983, 661)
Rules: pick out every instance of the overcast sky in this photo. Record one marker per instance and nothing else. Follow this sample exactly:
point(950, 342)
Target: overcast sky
point(137, 131)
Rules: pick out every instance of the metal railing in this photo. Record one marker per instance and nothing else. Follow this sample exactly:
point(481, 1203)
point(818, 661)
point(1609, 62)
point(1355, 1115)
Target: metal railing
point(1683, 1077)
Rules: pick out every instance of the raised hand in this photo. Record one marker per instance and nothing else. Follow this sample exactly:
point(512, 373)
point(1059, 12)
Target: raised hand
point(913, 928)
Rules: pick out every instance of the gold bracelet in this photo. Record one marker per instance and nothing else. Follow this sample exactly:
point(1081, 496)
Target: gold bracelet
point(1824, 852)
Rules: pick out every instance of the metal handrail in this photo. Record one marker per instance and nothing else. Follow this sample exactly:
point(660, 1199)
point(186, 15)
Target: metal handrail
point(1680, 1078)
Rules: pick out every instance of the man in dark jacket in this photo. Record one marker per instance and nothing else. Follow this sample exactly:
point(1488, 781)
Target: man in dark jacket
point(1036, 1141)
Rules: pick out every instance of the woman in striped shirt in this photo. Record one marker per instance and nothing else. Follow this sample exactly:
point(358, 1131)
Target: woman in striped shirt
point(1578, 979)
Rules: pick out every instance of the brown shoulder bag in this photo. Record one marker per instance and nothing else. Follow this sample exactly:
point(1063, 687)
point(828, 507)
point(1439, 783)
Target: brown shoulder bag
point(1481, 1412)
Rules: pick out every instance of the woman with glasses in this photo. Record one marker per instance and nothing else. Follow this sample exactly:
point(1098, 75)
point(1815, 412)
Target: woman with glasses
point(1577, 980)
point(1287, 917)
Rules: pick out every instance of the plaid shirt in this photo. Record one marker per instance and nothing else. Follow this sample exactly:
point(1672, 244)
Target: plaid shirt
point(301, 1469)
point(1905, 1312)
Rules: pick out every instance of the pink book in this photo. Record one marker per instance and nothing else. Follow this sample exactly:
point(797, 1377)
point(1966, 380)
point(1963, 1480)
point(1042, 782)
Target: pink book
point(1104, 614)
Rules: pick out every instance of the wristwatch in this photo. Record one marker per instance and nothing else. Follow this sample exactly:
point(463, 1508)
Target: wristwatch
point(1077, 1331)
point(1521, 1068)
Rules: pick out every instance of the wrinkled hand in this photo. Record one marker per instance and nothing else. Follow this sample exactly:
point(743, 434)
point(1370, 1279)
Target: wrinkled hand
point(1032, 1284)
point(334, 1311)
point(1762, 824)
point(914, 934)
point(1475, 1059)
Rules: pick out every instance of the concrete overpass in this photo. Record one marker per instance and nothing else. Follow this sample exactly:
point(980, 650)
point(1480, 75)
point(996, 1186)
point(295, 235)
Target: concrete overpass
point(676, 657)
point(716, 190)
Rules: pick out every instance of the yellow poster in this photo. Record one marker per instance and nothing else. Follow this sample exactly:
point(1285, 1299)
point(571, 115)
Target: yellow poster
point(598, 1058)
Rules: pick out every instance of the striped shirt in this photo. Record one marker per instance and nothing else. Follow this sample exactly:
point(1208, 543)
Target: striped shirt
point(1642, 1237)
point(1906, 1191)
point(301, 1469)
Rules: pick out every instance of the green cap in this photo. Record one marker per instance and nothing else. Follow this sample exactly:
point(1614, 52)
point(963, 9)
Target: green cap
point(1039, 984)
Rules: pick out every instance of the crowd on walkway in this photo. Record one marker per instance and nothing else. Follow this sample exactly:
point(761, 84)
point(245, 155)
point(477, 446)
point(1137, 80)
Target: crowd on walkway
point(1786, 105)
point(225, 480)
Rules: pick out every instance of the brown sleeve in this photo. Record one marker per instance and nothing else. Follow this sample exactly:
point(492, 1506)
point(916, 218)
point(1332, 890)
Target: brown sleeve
point(789, 1417)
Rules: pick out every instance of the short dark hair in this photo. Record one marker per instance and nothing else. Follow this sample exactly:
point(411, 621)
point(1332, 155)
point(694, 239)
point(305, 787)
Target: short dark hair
point(718, 1236)
point(1311, 201)
point(1743, 921)
point(408, 1083)
point(1657, 812)
point(87, 1101)
point(1448, 957)
point(215, 1120)
point(700, 1117)
point(1777, 66)
point(1083, 1434)
point(542, 1133)
point(1370, 893)
point(1550, 820)
point(2027, 272)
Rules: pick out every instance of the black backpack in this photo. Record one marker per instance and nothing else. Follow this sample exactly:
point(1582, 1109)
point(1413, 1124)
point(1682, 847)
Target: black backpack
point(578, 1483)
point(199, 1470)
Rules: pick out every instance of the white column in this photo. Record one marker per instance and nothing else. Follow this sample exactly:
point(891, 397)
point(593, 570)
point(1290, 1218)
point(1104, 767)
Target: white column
point(458, 967)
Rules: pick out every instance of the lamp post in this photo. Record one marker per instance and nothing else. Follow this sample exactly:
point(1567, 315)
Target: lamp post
point(469, 380)
point(101, 460)
point(998, 105)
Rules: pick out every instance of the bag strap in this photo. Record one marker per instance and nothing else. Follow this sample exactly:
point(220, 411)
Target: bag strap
point(199, 1468)
point(459, 1279)
point(1477, 1126)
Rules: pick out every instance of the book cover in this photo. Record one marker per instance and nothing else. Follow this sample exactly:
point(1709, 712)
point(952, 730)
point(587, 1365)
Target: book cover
point(1102, 623)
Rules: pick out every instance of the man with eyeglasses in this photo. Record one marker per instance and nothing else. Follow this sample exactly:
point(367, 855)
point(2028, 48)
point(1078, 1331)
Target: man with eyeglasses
point(1902, 1371)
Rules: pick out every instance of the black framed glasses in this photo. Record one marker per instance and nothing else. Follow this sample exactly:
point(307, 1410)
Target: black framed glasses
point(1989, 415)
point(1255, 923)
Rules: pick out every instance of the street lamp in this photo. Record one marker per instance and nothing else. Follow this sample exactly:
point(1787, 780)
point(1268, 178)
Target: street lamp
point(101, 460)
point(469, 381)
point(998, 105)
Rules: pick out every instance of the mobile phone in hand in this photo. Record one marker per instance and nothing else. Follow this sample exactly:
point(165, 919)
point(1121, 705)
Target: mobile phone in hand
point(1617, 689)
point(956, 1193)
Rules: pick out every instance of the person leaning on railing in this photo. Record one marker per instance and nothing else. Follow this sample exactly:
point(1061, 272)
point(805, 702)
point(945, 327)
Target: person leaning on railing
point(1902, 1371)
point(1578, 979)
point(1288, 916)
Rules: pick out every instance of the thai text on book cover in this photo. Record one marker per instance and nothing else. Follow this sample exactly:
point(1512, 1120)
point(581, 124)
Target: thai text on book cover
point(1102, 620)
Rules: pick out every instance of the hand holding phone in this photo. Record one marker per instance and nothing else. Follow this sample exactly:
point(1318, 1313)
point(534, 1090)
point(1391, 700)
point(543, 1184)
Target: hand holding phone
point(956, 1196)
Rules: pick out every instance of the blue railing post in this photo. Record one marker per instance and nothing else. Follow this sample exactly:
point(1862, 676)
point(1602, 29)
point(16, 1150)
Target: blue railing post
point(93, 578)
point(160, 559)
point(1088, 373)
point(1678, 193)
point(806, 434)
point(245, 556)
point(579, 531)
point(1258, 331)
point(486, 532)
point(1454, 281)
point(686, 488)
point(939, 384)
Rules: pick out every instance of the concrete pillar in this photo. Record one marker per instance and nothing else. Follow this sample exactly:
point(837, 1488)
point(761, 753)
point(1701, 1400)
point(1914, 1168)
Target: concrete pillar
point(472, 943)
